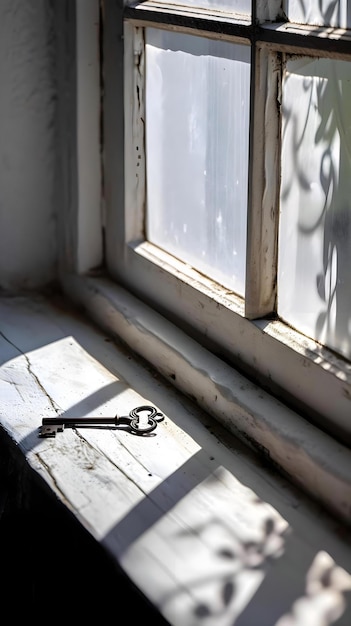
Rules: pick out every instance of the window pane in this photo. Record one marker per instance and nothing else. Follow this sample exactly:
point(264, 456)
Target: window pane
point(314, 283)
point(197, 128)
point(238, 6)
point(322, 13)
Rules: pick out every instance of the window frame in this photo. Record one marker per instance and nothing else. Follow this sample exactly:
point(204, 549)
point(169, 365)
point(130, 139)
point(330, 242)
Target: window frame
point(246, 336)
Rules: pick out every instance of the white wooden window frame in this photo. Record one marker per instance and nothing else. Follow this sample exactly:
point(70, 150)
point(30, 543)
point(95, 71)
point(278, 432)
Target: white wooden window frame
point(263, 358)
point(266, 350)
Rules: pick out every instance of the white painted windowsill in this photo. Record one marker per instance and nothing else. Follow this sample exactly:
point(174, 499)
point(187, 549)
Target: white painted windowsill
point(205, 530)
point(311, 458)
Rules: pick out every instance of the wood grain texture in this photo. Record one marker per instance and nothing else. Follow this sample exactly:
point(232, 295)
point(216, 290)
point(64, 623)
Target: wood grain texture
point(205, 531)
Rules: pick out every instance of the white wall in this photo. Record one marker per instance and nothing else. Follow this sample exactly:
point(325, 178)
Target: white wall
point(50, 167)
point(89, 235)
point(28, 247)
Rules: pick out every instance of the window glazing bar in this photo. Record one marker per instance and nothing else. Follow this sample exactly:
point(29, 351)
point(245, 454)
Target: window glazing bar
point(218, 22)
point(263, 186)
point(289, 37)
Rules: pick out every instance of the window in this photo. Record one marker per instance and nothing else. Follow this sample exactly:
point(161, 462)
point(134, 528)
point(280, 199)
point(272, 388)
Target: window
point(228, 208)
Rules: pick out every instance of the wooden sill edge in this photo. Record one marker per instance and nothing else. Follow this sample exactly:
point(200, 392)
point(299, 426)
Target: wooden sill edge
point(310, 458)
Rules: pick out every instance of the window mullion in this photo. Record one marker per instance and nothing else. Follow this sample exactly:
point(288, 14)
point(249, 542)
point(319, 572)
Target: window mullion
point(261, 264)
point(134, 115)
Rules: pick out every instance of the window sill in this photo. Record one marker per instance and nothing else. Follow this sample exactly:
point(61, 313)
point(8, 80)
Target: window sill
point(310, 458)
point(192, 516)
point(314, 381)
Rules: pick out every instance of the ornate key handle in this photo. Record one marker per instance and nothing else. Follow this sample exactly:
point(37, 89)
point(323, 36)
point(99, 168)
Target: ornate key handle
point(151, 420)
point(52, 425)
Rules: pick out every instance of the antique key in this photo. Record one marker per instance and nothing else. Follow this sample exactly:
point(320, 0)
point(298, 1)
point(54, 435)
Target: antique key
point(52, 425)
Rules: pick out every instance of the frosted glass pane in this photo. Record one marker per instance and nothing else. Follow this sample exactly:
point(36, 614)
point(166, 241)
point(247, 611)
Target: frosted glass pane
point(324, 12)
point(197, 128)
point(314, 278)
point(237, 6)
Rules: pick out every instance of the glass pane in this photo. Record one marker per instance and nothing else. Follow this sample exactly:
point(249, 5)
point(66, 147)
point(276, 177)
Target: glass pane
point(322, 13)
point(197, 128)
point(237, 6)
point(314, 285)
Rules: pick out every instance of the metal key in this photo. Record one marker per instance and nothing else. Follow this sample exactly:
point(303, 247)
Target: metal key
point(52, 425)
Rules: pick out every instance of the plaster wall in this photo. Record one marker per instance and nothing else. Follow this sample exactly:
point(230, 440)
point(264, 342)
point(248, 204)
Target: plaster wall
point(28, 164)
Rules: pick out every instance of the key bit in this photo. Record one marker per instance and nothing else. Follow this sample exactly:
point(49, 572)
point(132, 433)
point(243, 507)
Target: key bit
point(50, 430)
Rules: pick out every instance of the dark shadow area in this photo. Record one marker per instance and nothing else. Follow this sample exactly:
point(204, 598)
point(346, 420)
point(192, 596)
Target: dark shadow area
point(52, 569)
